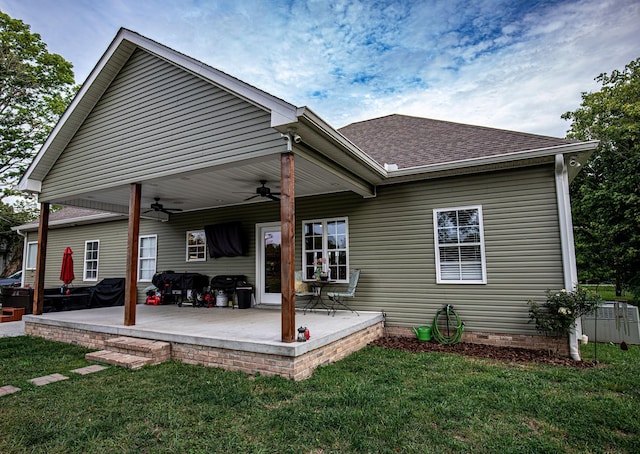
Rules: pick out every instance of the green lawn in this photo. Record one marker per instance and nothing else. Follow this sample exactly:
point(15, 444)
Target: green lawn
point(608, 292)
point(376, 400)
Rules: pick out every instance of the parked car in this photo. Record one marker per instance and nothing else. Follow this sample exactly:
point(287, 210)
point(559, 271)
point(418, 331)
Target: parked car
point(13, 280)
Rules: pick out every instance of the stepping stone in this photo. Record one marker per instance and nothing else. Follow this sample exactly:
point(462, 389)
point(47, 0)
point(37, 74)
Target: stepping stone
point(41, 381)
point(89, 369)
point(8, 389)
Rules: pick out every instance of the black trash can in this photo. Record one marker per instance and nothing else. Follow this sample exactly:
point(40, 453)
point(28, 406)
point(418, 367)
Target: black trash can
point(244, 297)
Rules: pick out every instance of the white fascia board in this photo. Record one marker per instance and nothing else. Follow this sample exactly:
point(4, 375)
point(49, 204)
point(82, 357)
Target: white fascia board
point(568, 149)
point(81, 220)
point(345, 144)
point(29, 185)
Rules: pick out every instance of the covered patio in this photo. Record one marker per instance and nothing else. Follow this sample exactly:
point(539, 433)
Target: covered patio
point(247, 340)
point(209, 150)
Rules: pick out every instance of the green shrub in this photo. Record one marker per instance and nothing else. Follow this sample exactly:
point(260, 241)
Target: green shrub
point(557, 316)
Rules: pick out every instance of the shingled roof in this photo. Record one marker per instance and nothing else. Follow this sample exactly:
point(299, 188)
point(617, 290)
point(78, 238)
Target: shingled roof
point(412, 141)
point(76, 215)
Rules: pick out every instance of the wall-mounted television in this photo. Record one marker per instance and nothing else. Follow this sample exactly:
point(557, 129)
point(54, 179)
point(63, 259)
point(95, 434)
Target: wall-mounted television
point(225, 240)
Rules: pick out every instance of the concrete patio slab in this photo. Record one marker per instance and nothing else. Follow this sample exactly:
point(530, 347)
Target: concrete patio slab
point(247, 340)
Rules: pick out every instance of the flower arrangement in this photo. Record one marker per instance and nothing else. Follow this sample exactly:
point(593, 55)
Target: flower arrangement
point(557, 316)
point(320, 266)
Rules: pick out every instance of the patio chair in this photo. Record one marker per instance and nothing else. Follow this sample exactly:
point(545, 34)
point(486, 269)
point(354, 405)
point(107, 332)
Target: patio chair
point(338, 297)
point(302, 289)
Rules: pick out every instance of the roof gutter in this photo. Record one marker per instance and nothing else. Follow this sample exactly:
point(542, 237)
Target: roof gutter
point(582, 151)
point(89, 219)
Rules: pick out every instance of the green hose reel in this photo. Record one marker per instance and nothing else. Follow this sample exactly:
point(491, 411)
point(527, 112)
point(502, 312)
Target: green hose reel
point(454, 326)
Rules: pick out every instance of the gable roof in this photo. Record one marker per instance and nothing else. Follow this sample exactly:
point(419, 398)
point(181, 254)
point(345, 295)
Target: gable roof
point(328, 159)
point(108, 67)
point(413, 141)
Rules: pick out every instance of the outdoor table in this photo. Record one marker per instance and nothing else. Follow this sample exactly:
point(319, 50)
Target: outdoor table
point(317, 299)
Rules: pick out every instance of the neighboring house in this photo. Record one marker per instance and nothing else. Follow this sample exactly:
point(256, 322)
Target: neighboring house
point(432, 212)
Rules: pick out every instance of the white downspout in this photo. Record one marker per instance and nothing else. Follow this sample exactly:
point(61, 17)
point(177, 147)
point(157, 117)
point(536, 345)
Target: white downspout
point(568, 246)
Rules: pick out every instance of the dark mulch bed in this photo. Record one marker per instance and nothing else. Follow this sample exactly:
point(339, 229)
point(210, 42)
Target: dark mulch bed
point(507, 354)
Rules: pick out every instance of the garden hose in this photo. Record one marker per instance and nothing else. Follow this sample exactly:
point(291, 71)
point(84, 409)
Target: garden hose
point(457, 327)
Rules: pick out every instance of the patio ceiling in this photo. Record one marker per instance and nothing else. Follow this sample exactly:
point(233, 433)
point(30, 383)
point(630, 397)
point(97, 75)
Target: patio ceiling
point(216, 187)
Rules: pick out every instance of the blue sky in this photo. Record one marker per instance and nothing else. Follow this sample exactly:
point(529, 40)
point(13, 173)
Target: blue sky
point(507, 64)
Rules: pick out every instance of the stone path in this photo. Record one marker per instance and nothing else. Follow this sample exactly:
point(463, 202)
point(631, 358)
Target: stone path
point(12, 329)
point(51, 378)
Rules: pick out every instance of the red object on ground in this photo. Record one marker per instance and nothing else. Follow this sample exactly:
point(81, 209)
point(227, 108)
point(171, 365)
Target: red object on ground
point(66, 272)
point(153, 300)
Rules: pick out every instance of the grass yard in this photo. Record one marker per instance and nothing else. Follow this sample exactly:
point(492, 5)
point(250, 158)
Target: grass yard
point(608, 292)
point(376, 400)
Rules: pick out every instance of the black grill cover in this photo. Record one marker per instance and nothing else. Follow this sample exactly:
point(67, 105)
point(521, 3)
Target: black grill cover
point(226, 282)
point(180, 281)
point(108, 292)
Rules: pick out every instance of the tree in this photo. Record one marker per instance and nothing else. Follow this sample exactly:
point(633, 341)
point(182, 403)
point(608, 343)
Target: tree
point(10, 242)
point(35, 88)
point(606, 195)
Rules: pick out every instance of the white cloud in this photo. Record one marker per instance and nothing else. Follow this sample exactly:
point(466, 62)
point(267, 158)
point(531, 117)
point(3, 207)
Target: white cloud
point(513, 65)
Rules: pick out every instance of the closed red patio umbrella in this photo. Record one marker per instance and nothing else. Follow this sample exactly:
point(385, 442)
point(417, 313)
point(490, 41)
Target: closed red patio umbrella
point(66, 272)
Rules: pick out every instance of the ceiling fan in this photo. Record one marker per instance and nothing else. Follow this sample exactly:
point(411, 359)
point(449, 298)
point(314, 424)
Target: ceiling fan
point(263, 191)
point(157, 206)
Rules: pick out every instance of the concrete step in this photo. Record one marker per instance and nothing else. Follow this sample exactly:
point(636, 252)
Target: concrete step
point(158, 351)
point(118, 359)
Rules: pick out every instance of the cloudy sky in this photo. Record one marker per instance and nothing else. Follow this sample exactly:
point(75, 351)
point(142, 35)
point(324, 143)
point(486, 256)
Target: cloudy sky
point(507, 64)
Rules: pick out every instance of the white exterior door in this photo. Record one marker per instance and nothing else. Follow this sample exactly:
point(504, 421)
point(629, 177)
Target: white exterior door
point(268, 259)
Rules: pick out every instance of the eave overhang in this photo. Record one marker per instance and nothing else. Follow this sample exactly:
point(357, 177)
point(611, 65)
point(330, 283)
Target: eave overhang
point(576, 153)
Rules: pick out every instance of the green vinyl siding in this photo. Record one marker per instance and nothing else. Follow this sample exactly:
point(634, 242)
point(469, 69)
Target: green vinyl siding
point(391, 240)
point(156, 118)
point(112, 254)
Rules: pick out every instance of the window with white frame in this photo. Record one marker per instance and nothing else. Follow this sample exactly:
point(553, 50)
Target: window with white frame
point(147, 252)
point(32, 255)
point(91, 253)
point(196, 246)
point(325, 246)
point(460, 257)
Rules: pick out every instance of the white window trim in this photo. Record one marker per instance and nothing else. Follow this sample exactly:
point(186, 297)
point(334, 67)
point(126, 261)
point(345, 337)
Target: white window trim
point(26, 254)
point(97, 260)
point(155, 257)
point(203, 259)
point(325, 250)
point(439, 279)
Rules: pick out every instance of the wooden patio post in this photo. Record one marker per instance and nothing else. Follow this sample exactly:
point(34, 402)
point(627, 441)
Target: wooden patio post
point(288, 229)
point(43, 235)
point(131, 289)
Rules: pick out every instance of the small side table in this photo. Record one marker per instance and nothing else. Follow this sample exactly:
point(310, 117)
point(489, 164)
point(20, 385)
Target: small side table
point(317, 299)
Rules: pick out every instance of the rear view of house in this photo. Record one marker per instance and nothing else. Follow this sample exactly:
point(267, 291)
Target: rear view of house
point(158, 151)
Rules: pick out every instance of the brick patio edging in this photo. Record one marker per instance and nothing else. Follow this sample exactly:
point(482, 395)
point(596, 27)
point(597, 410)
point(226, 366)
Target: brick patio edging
point(296, 368)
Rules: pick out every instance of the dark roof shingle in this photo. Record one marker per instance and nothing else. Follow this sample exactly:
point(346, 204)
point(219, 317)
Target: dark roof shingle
point(413, 141)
